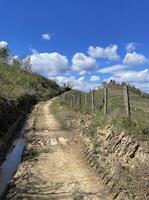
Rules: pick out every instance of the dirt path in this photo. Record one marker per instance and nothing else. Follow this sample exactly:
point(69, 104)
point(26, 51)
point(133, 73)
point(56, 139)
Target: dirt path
point(53, 166)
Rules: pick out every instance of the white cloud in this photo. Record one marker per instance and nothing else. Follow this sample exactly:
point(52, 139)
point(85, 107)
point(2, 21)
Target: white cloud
point(77, 83)
point(109, 52)
point(132, 76)
point(131, 46)
point(34, 51)
point(139, 79)
point(81, 62)
point(134, 59)
point(3, 44)
point(130, 60)
point(16, 57)
point(143, 86)
point(46, 36)
point(52, 63)
point(84, 72)
point(94, 78)
point(113, 68)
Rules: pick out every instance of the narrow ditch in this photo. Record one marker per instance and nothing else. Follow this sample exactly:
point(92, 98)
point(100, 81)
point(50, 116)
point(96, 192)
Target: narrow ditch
point(11, 163)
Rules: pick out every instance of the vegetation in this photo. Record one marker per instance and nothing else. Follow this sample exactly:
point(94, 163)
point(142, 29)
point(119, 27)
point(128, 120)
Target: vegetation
point(136, 125)
point(20, 89)
point(4, 54)
point(17, 79)
point(15, 82)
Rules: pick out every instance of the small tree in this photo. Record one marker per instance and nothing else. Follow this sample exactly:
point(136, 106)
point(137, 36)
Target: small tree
point(27, 64)
point(112, 82)
point(4, 54)
point(16, 63)
point(104, 84)
point(69, 85)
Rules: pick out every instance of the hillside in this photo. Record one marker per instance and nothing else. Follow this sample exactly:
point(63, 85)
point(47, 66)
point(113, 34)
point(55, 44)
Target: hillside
point(136, 124)
point(117, 145)
point(15, 82)
point(19, 91)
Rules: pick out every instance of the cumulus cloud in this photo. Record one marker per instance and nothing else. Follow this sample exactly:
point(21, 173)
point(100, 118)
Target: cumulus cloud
point(130, 60)
point(16, 57)
point(109, 52)
point(52, 63)
point(46, 36)
point(131, 46)
point(77, 83)
point(3, 44)
point(134, 59)
point(143, 86)
point(94, 78)
point(81, 62)
point(139, 79)
point(84, 72)
point(34, 51)
point(113, 68)
point(132, 76)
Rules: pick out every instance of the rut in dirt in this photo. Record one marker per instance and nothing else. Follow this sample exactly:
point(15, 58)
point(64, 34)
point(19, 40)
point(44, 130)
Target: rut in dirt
point(53, 165)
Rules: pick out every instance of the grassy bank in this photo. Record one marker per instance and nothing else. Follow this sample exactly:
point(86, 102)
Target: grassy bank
point(136, 126)
point(19, 91)
point(16, 82)
point(120, 160)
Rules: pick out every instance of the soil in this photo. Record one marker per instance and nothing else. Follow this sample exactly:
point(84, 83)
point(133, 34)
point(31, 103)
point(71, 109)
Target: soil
point(53, 165)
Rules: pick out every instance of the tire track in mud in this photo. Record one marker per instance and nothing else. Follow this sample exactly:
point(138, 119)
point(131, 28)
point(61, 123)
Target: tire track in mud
point(53, 166)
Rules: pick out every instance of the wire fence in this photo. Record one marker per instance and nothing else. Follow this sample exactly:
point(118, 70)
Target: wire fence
point(112, 101)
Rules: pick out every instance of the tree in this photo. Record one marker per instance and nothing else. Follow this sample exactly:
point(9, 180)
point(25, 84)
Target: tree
point(4, 54)
point(27, 64)
point(112, 82)
point(16, 63)
point(104, 84)
point(69, 85)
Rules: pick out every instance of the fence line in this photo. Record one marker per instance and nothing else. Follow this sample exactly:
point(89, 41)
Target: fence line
point(85, 98)
point(105, 100)
point(93, 101)
point(127, 100)
point(110, 101)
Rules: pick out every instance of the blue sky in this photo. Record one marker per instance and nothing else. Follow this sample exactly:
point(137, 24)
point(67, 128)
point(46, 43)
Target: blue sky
point(84, 42)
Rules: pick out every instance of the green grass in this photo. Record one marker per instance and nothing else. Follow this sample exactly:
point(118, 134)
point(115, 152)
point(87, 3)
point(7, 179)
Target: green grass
point(15, 82)
point(19, 91)
point(138, 123)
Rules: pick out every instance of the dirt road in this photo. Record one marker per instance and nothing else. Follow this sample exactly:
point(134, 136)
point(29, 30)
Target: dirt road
point(53, 165)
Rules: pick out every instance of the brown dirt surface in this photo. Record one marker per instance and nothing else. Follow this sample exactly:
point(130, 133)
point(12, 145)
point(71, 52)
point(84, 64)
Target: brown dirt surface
point(53, 166)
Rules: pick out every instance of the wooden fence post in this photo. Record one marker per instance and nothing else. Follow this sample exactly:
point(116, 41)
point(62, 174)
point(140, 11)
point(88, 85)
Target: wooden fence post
point(85, 99)
point(62, 97)
point(75, 101)
point(69, 99)
point(66, 98)
point(80, 102)
point(127, 100)
point(105, 101)
point(93, 101)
